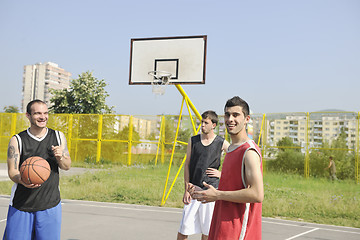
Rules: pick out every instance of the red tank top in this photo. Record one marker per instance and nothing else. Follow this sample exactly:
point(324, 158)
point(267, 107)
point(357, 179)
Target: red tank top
point(231, 220)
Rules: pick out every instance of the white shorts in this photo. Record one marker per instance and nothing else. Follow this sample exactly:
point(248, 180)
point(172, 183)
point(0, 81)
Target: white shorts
point(196, 218)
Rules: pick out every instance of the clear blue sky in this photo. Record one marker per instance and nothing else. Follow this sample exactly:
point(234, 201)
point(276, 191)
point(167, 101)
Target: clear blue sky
point(279, 55)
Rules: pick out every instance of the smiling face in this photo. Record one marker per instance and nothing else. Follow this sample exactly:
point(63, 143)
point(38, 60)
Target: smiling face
point(39, 115)
point(235, 120)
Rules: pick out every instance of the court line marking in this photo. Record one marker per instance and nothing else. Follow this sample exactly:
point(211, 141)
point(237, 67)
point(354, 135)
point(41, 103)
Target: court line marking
point(143, 208)
point(301, 234)
point(133, 209)
point(297, 222)
point(319, 228)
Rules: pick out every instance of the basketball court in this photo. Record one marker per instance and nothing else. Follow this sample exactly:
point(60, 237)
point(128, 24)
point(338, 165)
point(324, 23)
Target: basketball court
point(106, 221)
point(160, 62)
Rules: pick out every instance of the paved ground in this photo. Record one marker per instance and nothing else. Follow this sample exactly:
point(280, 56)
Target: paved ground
point(72, 171)
point(106, 221)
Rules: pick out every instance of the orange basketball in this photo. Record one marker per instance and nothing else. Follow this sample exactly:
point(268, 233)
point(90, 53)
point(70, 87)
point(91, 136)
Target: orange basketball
point(35, 170)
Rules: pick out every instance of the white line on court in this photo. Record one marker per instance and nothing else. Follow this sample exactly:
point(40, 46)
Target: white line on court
point(3, 220)
point(287, 224)
point(297, 222)
point(318, 228)
point(301, 234)
point(133, 209)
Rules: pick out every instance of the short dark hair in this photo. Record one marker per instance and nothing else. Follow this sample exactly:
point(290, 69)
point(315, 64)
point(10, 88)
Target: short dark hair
point(29, 105)
point(237, 101)
point(211, 115)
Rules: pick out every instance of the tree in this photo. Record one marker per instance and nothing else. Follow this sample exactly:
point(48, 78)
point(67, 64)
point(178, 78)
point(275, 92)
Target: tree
point(11, 109)
point(289, 157)
point(85, 95)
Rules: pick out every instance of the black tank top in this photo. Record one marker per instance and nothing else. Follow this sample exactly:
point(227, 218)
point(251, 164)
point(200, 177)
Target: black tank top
point(203, 157)
point(48, 194)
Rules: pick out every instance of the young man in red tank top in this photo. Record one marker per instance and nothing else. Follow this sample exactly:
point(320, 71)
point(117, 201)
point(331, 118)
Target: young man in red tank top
point(237, 213)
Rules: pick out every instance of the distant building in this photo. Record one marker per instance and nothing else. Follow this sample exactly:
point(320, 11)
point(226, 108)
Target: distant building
point(321, 127)
point(39, 78)
point(143, 126)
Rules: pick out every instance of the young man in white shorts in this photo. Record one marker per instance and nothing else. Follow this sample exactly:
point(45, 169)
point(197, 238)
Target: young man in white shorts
point(201, 165)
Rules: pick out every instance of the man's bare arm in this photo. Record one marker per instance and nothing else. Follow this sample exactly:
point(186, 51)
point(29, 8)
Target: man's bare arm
point(253, 193)
point(13, 158)
point(62, 154)
point(225, 146)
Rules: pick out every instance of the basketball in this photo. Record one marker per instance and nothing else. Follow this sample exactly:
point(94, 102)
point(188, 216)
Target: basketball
point(35, 170)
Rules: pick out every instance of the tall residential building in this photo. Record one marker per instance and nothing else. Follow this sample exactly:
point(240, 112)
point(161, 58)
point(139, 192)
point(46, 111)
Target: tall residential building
point(39, 78)
point(321, 127)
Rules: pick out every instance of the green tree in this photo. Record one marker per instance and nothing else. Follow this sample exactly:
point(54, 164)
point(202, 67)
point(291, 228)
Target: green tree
point(287, 143)
point(11, 109)
point(289, 157)
point(85, 95)
point(343, 158)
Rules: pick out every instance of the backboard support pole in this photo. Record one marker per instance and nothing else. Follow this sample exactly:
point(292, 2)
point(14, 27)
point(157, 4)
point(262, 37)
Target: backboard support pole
point(188, 102)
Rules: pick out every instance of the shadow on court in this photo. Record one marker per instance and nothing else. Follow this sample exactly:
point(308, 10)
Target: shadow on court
point(106, 221)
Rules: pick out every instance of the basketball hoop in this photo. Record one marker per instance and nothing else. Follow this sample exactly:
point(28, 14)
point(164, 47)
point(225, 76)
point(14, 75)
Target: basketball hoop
point(159, 82)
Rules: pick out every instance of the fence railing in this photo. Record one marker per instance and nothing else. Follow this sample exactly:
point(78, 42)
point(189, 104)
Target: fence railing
point(143, 139)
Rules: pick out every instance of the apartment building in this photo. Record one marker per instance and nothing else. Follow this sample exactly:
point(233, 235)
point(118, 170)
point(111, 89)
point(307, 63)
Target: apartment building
point(39, 78)
point(143, 126)
point(321, 127)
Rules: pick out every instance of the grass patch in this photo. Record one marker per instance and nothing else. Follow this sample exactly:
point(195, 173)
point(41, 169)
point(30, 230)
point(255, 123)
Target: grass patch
point(287, 196)
point(312, 200)
point(138, 184)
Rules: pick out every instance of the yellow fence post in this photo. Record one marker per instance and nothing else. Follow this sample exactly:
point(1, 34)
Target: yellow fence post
point(70, 123)
point(163, 142)
point(307, 153)
point(13, 124)
point(130, 139)
point(98, 153)
point(263, 145)
point(357, 177)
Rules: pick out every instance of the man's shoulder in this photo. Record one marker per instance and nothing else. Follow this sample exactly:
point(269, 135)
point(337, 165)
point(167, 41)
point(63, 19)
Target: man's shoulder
point(219, 138)
point(22, 133)
point(196, 137)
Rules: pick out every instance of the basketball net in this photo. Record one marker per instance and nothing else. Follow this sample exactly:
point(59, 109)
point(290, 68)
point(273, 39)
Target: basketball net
point(159, 82)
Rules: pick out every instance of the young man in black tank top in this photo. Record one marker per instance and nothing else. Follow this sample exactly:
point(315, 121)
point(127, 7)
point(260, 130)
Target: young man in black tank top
point(201, 164)
point(37, 207)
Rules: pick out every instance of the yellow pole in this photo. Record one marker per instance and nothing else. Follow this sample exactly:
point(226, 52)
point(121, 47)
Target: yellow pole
point(158, 146)
point(98, 152)
point(130, 139)
point(263, 145)
point(172, 184)
point(13, 124)
point(163, 143)
point(357, 177)
point(262, 124)
point(172, 154)
point(191, 119)
point(70, 131)
point(307, 153)
point(181, 90)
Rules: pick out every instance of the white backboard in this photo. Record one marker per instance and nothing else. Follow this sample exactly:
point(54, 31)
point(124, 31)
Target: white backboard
point(183, 57)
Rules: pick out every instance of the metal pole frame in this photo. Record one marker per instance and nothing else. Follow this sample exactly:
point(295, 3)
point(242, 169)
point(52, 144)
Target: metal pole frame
point(189, 105)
